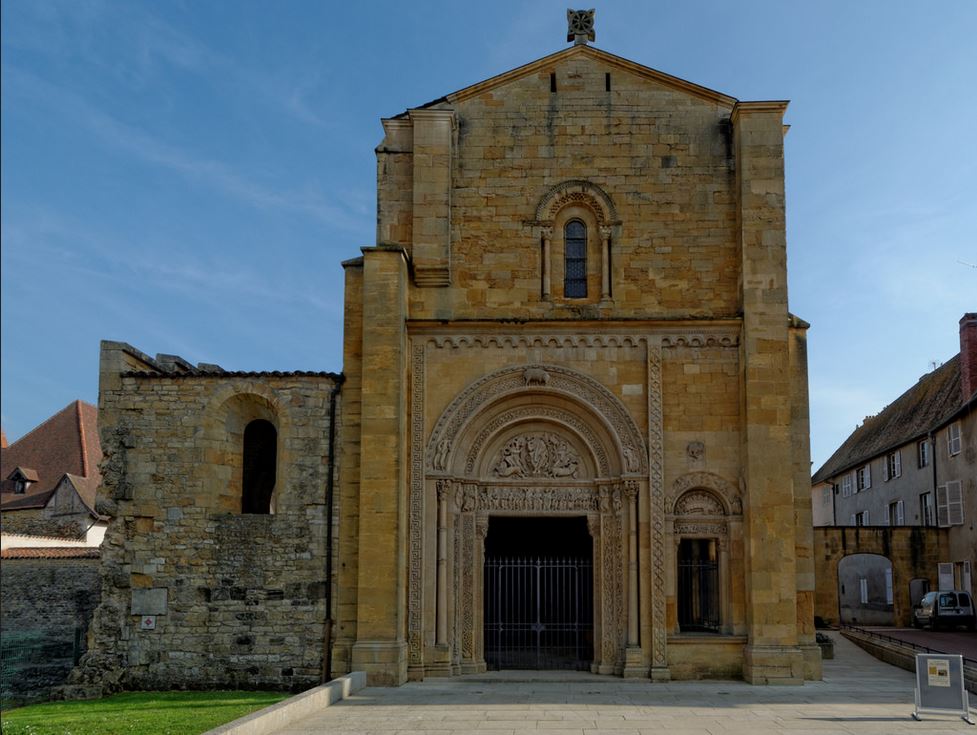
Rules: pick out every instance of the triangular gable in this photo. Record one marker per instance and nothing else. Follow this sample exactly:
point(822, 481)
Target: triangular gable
point(23, 473)
point(535, 67)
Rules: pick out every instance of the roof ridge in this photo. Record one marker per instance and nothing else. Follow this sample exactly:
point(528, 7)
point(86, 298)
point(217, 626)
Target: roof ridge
point(81, 435)
point(48, 420)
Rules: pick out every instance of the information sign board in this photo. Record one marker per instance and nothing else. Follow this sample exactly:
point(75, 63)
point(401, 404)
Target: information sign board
point(940, 686)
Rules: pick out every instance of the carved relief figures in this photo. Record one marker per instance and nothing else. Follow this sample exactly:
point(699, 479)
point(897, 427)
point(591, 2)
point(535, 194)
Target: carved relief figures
point(536, 455)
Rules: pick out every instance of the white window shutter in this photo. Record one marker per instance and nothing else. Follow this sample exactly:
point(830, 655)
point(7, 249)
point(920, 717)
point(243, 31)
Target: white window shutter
point(885, 469)
point(863, 590)
point(852, 521)
point(864, 517)
point(968, 583)
point(942, 509)
point(954, 501)
point(885, 517)
point(888, 586)
point(868, 476)
point(901, 513)
point(898, 463)
point(945, 572)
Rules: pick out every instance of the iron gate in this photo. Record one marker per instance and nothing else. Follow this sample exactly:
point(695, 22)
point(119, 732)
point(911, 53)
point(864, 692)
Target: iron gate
point(539, 613)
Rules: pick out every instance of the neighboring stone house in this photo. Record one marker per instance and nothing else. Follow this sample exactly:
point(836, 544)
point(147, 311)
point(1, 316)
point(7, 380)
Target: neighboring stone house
point(50, 531)
point(913, 464)
point(50, 476)
point(567, 358)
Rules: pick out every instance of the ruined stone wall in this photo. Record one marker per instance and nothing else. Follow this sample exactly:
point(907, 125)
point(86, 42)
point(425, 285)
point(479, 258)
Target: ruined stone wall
point(238, 599)
point(45, 608)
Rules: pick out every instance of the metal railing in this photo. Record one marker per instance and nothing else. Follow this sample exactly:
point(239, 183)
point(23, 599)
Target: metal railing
point(902, 642)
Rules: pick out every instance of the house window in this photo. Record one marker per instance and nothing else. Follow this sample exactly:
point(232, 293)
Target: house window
point(259, 466)
point(575, 273)
point(20, 486)
point(896, 515)
point(863, 478)
point(863, 590)
point(846, 486)
point(927, 512)
point(949, 504)
point(923, 453)
point(953, 438)
point(826, 495)
point(892, 467)
point(860, 518)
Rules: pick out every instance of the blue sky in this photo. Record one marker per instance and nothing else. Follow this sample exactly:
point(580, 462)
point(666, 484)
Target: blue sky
point(187, 176)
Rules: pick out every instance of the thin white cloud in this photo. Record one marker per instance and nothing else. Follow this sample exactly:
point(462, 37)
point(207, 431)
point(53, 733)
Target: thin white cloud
point(115, 134)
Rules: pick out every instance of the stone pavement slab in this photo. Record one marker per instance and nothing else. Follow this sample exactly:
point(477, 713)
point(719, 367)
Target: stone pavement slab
point(859, 696)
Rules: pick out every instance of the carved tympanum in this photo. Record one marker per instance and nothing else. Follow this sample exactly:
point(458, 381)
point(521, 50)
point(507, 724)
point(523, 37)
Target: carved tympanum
point(536, 455)
point(698, 503)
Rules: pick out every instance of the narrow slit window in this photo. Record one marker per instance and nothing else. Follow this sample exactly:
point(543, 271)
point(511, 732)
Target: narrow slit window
point(259, 466)
point(607, 82)
point(552, 82)
point(575, 242)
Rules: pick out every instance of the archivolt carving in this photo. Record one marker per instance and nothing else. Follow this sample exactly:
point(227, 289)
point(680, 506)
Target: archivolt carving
point(543, 412)
point(562, 381)
point(538, 454)
point(722, 488)
point(577, 191)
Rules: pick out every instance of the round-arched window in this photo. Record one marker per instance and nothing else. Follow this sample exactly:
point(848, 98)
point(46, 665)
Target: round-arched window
point(575, 271)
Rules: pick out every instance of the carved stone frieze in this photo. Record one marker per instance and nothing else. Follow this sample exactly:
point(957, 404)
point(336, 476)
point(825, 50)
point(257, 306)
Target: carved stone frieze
point(536, 499)
point(699, 340)
point(537, 454)
point(717, 528)
point(455, 341)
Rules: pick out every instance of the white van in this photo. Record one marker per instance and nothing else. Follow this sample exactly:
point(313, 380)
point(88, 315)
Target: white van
point(946, 609)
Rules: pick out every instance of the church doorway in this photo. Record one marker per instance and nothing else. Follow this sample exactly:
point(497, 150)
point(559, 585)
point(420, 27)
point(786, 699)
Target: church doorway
point(538, 593)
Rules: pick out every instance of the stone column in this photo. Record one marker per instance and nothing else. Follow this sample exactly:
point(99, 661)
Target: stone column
point(547, 249)
point(725, 620)
point(441, 636)
point(481, 533)
point(380, 649)
point(593, 528)
point(634, 666)
point(605, 255)
point(772, 655)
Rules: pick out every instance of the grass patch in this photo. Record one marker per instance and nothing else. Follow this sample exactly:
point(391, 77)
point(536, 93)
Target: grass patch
point(136, 713)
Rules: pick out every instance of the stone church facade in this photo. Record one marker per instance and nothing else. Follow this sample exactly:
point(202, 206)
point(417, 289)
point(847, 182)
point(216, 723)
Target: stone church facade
point(568, 357)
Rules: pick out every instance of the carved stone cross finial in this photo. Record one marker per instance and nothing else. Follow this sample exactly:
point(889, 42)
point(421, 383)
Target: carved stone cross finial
point(580, 26)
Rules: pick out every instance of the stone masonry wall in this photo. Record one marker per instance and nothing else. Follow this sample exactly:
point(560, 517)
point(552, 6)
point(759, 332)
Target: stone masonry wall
point(45, 608)
point(239, 600)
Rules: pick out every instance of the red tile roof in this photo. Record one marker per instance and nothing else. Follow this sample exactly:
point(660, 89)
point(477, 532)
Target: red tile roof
point(67, 443)
point(62, 552)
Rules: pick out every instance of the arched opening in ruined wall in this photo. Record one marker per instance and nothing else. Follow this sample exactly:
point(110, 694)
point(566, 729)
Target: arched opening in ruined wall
point(865, 590)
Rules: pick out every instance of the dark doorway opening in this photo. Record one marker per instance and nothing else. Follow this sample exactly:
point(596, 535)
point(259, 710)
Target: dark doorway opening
point(698, 585)
point(539, 594)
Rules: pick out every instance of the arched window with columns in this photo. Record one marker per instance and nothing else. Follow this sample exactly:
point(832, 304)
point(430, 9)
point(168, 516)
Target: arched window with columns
point(575, 260)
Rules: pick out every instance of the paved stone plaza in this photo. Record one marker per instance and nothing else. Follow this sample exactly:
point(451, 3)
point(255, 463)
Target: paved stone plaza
point(858, 695)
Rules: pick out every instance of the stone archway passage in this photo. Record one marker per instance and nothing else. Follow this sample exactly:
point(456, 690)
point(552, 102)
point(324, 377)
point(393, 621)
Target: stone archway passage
point(538, 593)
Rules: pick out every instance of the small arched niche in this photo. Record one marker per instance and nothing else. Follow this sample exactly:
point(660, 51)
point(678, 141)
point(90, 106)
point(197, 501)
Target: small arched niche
point(248, 444)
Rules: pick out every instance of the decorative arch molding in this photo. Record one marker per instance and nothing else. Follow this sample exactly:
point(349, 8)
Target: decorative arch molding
point(723, 490)
point(536, 379)
point(219, 404)
point(577, 191)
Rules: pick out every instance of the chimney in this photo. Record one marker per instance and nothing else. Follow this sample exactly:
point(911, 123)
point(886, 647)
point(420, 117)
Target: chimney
point(968, 354)
point(3, 439)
